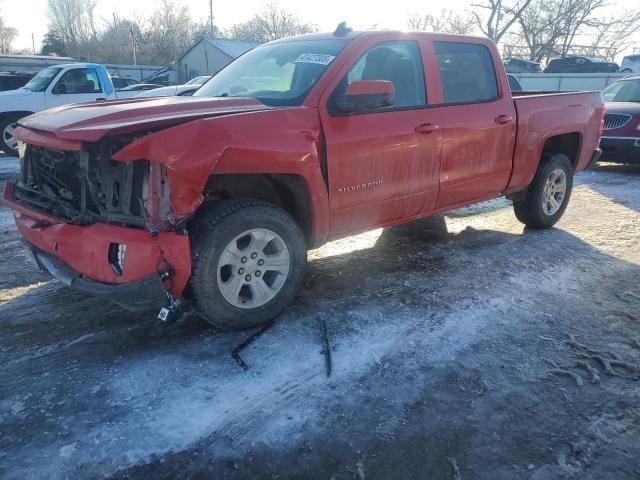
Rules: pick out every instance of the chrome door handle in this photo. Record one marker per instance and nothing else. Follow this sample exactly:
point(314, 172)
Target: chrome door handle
point(426, 128)
point(503, 119)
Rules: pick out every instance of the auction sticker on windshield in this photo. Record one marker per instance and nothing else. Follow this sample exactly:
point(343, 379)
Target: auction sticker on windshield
point(318, 58)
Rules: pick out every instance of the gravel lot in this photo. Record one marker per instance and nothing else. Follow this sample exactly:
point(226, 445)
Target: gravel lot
point(463, 348)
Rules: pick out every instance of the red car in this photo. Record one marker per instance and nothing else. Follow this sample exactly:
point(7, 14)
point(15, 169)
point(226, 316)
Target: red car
point(620, 140)
point(216, 198)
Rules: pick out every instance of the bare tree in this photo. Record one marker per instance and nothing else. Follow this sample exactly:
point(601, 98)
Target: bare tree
point(7, 36)
point(502, 14)
point(167, 33)
point(73, 22)
point(270, 24)
point(541, 27)
point(576, 15)
point(446, 21)
point(115, 40)
point(613, 35)
point(551, 28)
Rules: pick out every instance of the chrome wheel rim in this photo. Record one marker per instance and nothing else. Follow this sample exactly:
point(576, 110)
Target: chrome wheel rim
point(7, 136)
point(555, 189)
point(253, 268)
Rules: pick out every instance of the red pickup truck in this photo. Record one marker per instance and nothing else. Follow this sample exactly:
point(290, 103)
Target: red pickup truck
point(216, 198)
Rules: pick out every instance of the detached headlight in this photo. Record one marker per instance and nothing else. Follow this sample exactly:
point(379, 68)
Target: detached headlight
point(22, 147)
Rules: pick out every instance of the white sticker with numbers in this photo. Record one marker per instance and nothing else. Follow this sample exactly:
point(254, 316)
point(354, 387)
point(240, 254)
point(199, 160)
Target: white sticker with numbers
point(317, 58)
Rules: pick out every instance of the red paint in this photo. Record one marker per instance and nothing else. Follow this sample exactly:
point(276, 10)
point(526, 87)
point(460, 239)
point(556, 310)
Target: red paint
point(85, 249)
point(383, 168)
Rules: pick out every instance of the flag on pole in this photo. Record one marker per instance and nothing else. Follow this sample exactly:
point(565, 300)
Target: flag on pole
point(134, 47)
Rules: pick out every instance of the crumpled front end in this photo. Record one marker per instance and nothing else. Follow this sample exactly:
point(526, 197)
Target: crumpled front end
point(101, 225)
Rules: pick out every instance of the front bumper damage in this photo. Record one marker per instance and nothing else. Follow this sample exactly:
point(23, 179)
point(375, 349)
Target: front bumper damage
point(130, 266)
point(144, 294)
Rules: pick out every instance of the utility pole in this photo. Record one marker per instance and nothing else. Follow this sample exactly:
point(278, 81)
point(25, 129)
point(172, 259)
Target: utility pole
point(211, 17)
point(33, 44)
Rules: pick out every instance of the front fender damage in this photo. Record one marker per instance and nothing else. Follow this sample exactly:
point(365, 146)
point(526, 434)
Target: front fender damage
point(188, 153)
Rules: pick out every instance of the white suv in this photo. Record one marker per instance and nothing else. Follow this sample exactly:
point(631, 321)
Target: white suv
point(630, 64)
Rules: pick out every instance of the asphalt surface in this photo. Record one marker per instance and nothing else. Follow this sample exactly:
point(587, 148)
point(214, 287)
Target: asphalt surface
point(463, 347)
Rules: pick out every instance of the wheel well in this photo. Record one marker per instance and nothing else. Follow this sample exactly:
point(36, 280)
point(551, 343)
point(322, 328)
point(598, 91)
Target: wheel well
point(567, 143)
point(4, 115)
point(287, 191)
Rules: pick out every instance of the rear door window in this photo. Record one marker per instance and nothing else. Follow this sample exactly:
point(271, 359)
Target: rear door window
point(467, 72)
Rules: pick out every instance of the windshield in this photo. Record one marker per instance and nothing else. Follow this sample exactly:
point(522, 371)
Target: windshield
point(281, 74)
point(624, 91)
point(41, 81)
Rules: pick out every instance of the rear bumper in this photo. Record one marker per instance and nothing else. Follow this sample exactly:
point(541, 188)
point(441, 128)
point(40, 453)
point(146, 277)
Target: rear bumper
point(83, 256)
point(620, 149)
point(143, 294)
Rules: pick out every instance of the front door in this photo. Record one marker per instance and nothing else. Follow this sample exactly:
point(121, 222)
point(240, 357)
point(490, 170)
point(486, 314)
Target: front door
point(76, 85)
point(383, 164)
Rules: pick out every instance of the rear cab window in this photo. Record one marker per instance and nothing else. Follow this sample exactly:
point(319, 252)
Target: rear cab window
point(467, 73)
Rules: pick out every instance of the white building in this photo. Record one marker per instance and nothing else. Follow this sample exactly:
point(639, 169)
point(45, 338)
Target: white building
point(209, 55)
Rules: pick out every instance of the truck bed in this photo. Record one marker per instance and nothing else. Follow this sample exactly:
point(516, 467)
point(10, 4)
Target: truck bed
point(543, 115)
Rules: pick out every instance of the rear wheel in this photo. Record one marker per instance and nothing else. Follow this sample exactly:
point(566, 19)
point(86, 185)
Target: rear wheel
point(249, 259)
point(8, 142)
point(548, 194)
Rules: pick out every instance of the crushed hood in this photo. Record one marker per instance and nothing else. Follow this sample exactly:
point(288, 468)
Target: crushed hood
point(90, 122)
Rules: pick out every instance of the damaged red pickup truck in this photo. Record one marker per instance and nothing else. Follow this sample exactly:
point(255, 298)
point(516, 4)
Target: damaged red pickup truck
point(216, 198)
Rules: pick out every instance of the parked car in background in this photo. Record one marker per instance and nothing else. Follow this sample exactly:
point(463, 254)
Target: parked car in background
point(51, 87)
point(198, 80)
point(14, 80)
point(177, 90)
point(122, 82)
point(630, 64)
point(297, 142)
point(514, 84)
point(519, 65)
point(133, 90)
point(580, 65)
point(620, 141)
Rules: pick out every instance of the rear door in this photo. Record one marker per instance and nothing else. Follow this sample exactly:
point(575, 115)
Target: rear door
point(382, 164)
point(477, 122)
point(76, 85)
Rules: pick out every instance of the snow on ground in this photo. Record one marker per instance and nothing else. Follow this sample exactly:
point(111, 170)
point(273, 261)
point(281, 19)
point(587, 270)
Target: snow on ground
point(456, 340)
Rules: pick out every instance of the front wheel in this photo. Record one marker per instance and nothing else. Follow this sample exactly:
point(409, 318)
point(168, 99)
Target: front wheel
point(8, 142)
point(548, 194)
point(249, 259)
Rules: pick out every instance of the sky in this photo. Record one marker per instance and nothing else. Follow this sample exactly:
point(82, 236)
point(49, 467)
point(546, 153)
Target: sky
point(29, 16)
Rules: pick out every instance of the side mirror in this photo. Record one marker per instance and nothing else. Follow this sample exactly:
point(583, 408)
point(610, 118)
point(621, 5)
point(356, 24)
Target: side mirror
point(365, 95)
point(60, 88)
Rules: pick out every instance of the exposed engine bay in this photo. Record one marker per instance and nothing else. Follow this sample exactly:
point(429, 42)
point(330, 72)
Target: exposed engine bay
point(89, 186)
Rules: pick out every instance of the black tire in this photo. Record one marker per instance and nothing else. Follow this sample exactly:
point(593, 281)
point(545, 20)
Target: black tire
point(215, 227)
point(530, 211)
point(6, 121)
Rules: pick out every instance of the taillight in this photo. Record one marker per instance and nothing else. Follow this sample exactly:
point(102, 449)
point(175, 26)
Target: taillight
point(602, 112)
